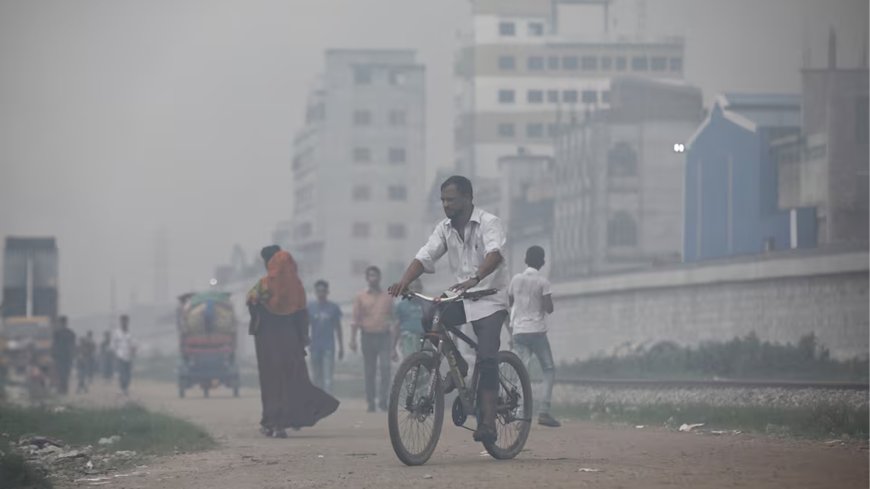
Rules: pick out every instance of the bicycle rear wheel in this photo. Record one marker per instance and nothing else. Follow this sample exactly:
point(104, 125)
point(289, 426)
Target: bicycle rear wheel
point(514, 411)
point(415, 415)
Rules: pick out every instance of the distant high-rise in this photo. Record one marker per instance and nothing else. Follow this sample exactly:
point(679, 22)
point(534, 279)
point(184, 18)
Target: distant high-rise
point(359, 169)
point(518, 77)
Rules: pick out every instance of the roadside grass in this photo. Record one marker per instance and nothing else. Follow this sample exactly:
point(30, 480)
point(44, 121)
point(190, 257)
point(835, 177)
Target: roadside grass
point(745, 358)
point(818, 421)
point(140, 430)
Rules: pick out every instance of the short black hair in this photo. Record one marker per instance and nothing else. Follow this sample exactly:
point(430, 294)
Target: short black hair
point(535, 256)
point(373, 268)
point(268, 252)
point(463, 185)
point(321, 283)
point(125, 317)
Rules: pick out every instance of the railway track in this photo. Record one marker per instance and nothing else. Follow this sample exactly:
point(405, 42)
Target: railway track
point(717, 383)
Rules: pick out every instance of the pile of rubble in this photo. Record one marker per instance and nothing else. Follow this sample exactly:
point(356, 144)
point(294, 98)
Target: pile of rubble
point(55, 459)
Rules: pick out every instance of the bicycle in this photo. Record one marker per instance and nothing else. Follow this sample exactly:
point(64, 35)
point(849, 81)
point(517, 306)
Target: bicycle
point(416, 409)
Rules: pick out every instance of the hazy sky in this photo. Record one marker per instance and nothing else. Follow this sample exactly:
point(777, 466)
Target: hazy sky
point(119, 117)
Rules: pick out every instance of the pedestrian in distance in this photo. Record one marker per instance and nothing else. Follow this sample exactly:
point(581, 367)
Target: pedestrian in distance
point(531, 301)
point(107, 357)
point(373, 316)
point(279, 323)
point(63, 353)
point(325, 336)
point(124, 347)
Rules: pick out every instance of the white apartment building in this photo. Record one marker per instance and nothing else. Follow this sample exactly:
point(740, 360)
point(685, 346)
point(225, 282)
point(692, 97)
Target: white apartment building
point(358, 165)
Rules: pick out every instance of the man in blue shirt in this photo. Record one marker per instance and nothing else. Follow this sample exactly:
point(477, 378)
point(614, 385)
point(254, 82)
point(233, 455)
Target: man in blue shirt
point(325, 317)
point(409, 322)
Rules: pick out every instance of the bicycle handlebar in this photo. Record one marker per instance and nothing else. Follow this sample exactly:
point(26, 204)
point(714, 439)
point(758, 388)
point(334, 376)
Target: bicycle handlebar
point(470, 295)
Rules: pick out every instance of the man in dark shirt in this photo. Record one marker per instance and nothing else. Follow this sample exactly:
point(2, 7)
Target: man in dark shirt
point(63, 349)
point(325, 317)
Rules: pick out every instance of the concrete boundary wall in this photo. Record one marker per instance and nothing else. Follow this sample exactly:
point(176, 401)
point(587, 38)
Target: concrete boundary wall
point(779, 297)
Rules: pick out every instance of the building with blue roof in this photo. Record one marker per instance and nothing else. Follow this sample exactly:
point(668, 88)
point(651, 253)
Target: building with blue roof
point(731, 192)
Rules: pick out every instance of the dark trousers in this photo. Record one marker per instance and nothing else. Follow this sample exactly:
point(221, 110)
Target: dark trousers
point(376, 357)
point(488, 332)
point(64, 368)
point(125, 371)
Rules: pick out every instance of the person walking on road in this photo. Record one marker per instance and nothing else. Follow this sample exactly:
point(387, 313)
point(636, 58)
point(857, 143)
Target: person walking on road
point(372, 314)
point(325, 335)
point(531, 301)
point(124, 347)
point(279, 323)
point(63, 352)
point(473, 241)
point(85, 355)
point(107, 357)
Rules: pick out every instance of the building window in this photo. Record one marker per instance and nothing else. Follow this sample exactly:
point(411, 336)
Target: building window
point(397, 192)
point(553, 63)
point(361, 230)
point(362, 75)
point(396, 231)
point(569, 62)
point(302, 230)
point(362, 155)
point(639, 63)
point(536, 29)
point(622, 160)
point(552, 129)
point(535, 96)
point(397, 117)
point(606, 63)
point(507, 63)
point(589, 63)
point(506, 96)
point(605, 96)
point(659, 63)
point(621, 230)
point(506, 130)
point(507, 29)
point(535, 63)
point(534, 130)
point(398, 77)
point(676, 64)
point(358, 267)
point(621, 63)
point(569, 96)
point(589, 97)
point(362, 117)
point(362, 193)
point(553, 96)
point(397, 155)
point(862, 125)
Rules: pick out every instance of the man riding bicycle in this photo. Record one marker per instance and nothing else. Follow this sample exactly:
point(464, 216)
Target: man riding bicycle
point(473, 240)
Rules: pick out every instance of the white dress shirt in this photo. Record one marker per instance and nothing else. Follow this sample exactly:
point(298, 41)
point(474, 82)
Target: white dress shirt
point(484, 234)
point(528, 290)
point(124, 345)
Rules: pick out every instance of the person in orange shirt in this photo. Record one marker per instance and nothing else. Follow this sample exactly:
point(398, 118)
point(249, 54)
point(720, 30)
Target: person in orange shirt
point(373, 314)
point(279, 323)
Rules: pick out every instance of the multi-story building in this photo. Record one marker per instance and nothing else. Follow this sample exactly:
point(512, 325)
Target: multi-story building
point(731, 180)
point(358, 162)
point(619, 181)
point(518, 76)
point(826, 165)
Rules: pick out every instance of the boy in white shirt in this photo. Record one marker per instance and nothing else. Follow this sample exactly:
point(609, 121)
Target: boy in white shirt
point(530, 301)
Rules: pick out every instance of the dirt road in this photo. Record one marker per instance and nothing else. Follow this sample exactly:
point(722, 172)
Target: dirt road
point(351, 449)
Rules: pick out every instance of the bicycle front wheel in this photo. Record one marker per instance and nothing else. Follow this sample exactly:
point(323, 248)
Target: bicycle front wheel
point(514, 408)
point(416, 413)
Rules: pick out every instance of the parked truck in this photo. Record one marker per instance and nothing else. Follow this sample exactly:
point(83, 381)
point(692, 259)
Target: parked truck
point(29, 304)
